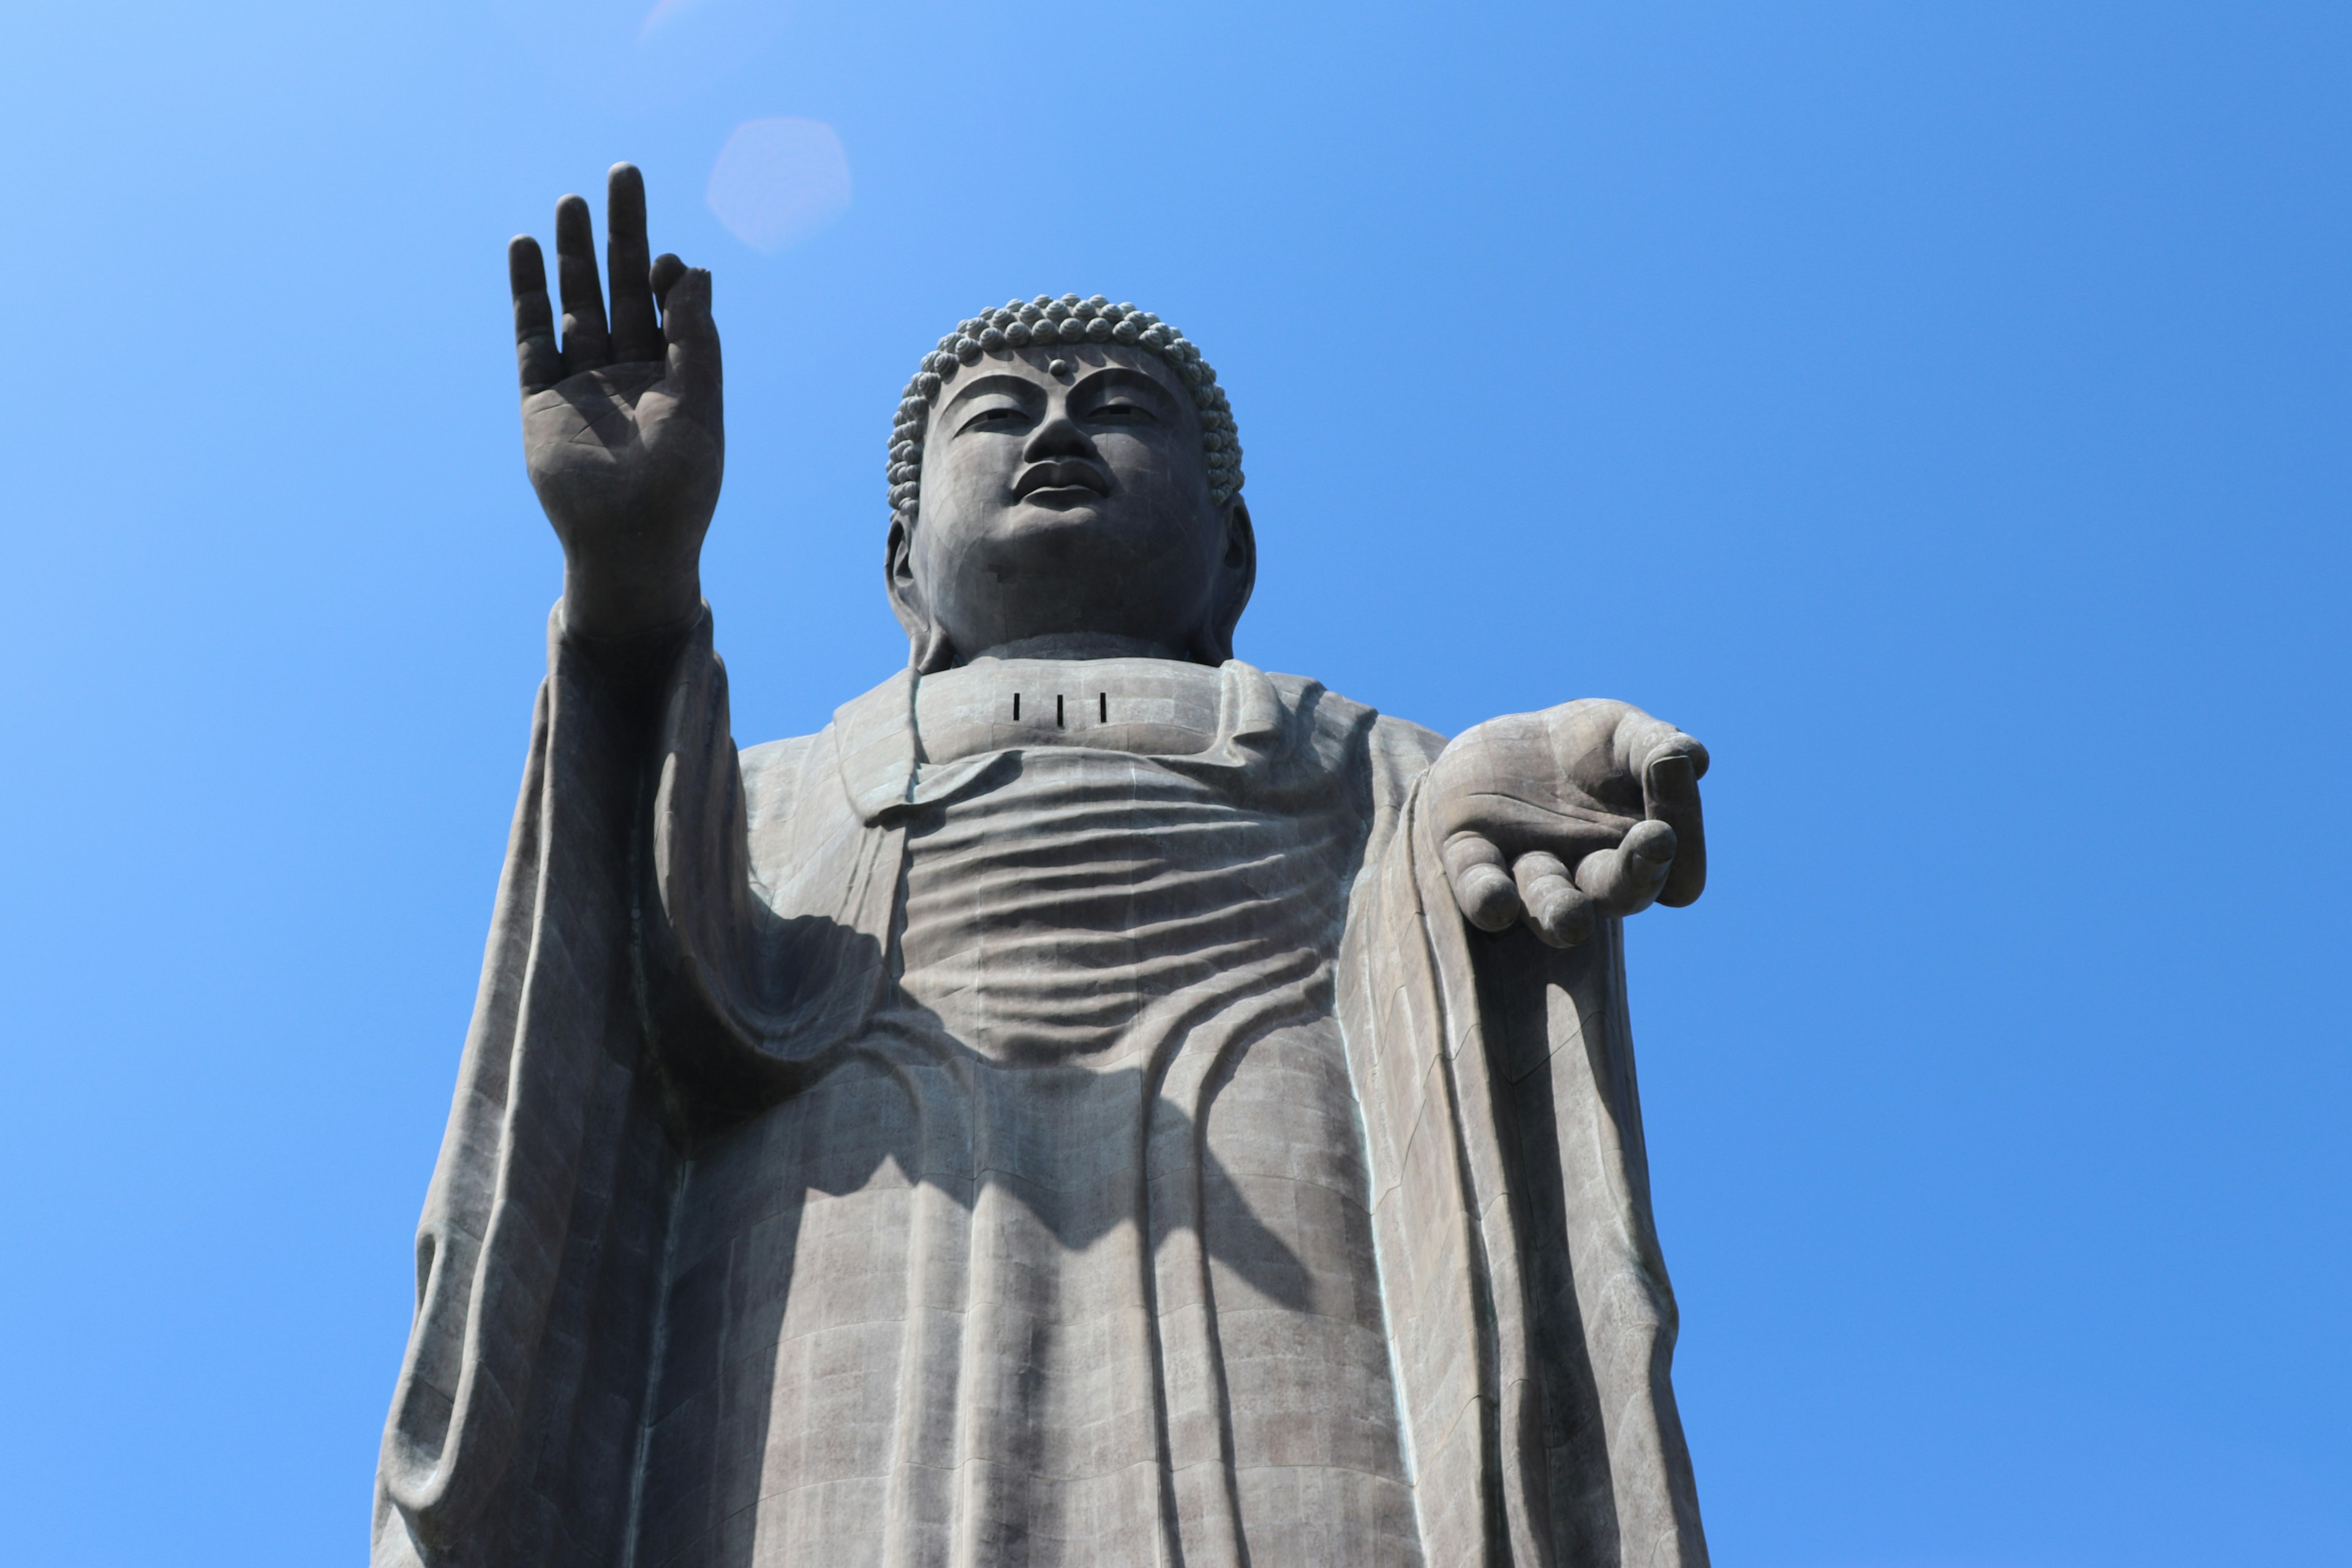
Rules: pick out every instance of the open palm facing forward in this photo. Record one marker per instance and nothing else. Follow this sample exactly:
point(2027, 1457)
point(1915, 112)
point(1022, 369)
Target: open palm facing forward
point(1589, 808)
point(622, 424)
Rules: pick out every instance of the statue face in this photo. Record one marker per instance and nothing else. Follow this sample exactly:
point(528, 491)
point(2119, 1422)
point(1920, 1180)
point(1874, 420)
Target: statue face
point(1071, 506)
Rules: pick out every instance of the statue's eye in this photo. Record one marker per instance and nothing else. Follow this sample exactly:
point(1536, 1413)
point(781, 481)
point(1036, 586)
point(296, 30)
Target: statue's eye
point(1122, 413)
point(1001, 418)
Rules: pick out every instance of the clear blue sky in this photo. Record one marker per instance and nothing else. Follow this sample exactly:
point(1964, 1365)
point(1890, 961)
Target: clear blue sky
point(1940, 409)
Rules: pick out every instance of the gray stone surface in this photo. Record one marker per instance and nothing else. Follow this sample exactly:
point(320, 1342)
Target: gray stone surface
point(1096, 1102)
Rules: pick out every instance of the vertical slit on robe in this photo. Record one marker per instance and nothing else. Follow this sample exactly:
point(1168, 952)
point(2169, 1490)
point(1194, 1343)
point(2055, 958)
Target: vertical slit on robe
point(1171, 1528)
point(1495, 1511)
point(984, 1298)
point(641, 990)
point(660, 1352)
point(1220, 1073)
point(641, 993)
point(938, 1234)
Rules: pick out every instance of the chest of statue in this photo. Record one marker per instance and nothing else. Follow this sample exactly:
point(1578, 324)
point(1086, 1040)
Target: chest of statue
point(1089, 883)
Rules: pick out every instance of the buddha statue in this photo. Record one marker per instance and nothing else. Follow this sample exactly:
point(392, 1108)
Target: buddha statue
point(1096, 1102)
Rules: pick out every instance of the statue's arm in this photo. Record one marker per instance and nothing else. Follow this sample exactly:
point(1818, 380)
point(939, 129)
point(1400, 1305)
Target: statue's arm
point(542, 1221)
point(623, 437)
point(1530, 1235)
point(548, 1195)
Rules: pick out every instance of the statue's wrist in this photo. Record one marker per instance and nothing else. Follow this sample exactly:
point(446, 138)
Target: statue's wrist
point(634, 657)
point(632, 607)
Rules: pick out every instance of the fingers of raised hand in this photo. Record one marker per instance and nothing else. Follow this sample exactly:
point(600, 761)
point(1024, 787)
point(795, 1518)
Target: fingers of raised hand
point(666, 271)
point(636, 334)
point(535, 353)
point(693, 337)
point(1485, 891)
point(1557, 909)
point(1627, 879)
point(586, 344)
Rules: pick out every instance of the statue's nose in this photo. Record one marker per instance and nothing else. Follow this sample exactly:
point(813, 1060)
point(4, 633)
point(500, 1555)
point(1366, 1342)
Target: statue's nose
point(1058, 436)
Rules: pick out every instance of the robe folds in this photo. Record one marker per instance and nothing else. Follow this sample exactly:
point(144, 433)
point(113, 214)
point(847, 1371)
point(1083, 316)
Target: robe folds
point(1099, 1145)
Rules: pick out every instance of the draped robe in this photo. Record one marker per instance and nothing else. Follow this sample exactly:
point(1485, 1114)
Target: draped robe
point(1054, 1115)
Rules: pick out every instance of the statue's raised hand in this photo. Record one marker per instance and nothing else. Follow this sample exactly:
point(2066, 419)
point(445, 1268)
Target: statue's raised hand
point(621, 426)
point(1551, 817)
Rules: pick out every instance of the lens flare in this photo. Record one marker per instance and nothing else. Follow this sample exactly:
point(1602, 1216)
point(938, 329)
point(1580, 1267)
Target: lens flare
point(777, 181)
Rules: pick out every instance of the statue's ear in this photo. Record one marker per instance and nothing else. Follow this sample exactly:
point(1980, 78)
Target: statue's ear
point(1236, 576)
point(926, 644)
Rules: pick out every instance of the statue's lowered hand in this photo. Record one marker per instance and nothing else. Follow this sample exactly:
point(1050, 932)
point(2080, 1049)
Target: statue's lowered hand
point(621, 424)
point(1587, 808)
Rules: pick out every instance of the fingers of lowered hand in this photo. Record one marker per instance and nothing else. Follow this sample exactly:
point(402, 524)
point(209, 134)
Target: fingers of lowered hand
point(1641, 740)
point(1485, 891)
point(1670, 795)
point(586, 344)
point(1557, 909)
point(535, 354)
point(1669, 763)
point(636, 335)
point(1626, 879)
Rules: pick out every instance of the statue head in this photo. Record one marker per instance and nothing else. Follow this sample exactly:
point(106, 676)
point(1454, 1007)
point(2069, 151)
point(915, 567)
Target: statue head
point(1066, 481)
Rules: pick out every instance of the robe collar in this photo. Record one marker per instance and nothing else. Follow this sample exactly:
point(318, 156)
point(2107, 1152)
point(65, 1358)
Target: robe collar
point(875, 743)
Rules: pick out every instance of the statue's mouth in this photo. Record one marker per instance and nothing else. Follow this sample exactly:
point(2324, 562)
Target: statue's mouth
point(1064, 480)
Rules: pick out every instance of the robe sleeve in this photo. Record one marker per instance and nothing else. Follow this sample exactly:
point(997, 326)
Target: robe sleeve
point(513, 1428)
point(1528, 1305)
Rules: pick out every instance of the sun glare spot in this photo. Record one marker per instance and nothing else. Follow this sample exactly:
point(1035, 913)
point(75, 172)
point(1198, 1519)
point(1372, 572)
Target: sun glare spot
point(777, 181)
point(664, 13)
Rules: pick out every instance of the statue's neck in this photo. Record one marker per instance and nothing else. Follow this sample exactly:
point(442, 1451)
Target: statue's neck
point(1076, 646)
